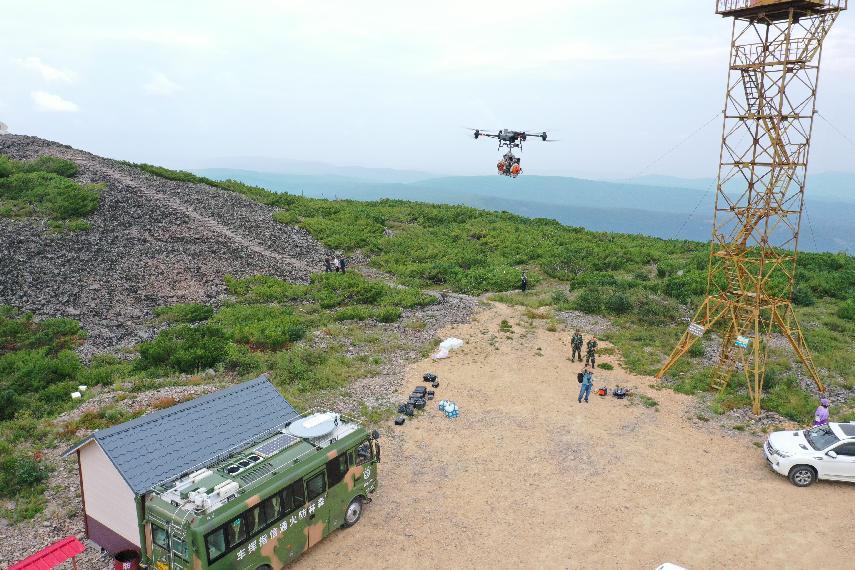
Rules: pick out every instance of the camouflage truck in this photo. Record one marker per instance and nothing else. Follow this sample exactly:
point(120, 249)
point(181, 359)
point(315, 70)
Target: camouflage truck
point(262, 506)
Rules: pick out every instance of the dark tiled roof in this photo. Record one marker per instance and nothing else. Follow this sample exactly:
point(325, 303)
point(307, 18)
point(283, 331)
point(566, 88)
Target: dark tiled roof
point(164, 444)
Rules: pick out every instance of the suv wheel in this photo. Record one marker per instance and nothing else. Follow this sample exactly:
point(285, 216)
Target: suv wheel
point(353, 513)
point(802, 475)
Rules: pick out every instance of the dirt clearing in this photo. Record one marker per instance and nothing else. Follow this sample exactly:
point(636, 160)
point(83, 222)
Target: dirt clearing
point(527, 477)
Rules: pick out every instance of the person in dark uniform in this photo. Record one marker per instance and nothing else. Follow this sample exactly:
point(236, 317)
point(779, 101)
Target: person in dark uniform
point(342, 264)
point(328, 264)
point(591, 352)
point(524, 282)
point(576, 343)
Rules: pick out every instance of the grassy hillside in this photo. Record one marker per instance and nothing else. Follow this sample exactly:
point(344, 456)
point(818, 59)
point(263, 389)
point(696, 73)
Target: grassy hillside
point(664, 210)
point(644, 284)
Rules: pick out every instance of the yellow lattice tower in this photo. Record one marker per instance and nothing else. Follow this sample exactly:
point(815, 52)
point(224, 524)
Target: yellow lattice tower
point(770, 105)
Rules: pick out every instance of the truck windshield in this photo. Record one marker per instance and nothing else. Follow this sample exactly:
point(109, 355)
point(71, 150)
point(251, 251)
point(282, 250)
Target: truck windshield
point(821, 437)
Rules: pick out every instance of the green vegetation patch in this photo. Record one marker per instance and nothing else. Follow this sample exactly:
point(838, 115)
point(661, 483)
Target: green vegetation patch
point(42, 187)
point(334, 290)
point(263, 327)
point(184, 313)
point(184, 348)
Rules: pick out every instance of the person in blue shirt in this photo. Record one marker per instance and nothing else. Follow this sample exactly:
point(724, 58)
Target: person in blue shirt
point(587, 383)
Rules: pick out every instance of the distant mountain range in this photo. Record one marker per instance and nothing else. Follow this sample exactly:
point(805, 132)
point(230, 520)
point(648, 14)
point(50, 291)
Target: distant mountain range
point(828, 186)
point(322, 169)
point(661, 206)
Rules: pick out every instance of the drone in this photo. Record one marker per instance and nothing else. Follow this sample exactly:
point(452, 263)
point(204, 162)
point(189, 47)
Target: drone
point(509, 165)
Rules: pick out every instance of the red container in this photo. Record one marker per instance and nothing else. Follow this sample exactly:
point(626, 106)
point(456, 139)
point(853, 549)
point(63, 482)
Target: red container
point(127, 560)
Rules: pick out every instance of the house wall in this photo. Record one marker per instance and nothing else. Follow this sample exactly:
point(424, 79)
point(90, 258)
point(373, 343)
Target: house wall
point(108, 501)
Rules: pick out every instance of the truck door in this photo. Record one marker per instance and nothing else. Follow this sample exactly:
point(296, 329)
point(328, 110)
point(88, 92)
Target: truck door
point(317, 508)
point(159, 549)
point(842, 466)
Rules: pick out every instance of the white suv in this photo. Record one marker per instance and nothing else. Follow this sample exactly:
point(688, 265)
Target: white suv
point(824, 452)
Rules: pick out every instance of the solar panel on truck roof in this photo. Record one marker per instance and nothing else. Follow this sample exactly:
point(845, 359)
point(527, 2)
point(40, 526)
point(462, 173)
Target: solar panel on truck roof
point(274, 446)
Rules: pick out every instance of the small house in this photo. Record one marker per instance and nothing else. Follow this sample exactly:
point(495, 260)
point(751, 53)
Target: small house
point(118, 465)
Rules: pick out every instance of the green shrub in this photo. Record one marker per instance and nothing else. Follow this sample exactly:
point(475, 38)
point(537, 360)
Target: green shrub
point(786, 397)
point(605, 366)
point(803, 296)
point(241, 359)
point(177, 175)
point(36, 380)
point(19, 473)
point(260, 326)
point(78, 225)
point(589, 300)
point(52, 195)
point(647, 401)
point(104, 370)
point(846, 310)
point(287, 217)
point(354, 313)
point(388, 314)
point(7, 167)
point(655, 310)
point(558, 298)
point(184, 313)
point(58, 166)
point(686, 287)
point(306, 370)
point(339, 289)
point(697, 349)
point(666, 268)
point(266, 289)
point(618, 303)
point(184, 348)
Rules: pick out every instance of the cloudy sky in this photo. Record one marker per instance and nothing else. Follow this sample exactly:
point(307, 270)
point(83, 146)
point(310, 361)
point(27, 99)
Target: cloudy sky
point(386, 83)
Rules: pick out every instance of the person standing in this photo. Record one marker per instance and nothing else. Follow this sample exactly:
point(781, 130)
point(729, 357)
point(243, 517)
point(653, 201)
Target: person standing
point(820, 418)
point(327, 264)
point(342, 264)
point(336, 264)
point(524, 282)
point(576, 344)
point(587, 383)
point(591, 353)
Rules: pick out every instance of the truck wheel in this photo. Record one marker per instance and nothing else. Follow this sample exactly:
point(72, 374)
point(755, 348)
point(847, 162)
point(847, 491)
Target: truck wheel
point(802, 475)
point(353, 513)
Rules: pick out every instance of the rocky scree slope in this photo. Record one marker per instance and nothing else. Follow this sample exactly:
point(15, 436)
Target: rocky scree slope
point(152, 242)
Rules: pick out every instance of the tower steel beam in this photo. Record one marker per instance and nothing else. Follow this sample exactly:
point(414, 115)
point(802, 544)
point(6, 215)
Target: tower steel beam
point(770, 103)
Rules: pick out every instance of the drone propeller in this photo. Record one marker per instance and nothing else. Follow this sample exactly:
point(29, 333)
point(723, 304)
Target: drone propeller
point(477, 133)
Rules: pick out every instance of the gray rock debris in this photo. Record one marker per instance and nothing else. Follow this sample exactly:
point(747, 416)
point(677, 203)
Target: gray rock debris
point(153, 242)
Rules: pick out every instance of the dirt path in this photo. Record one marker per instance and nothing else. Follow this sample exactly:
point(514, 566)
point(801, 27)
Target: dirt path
point(528, 478)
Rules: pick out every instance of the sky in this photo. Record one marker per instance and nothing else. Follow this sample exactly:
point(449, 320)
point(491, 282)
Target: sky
point(392, 84)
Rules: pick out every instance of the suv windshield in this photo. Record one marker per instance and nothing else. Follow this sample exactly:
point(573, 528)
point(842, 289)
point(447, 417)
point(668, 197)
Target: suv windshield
point(821, 437)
